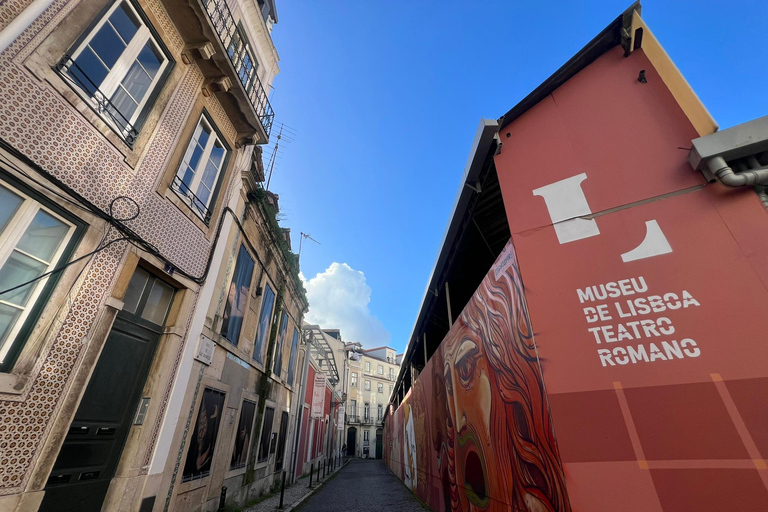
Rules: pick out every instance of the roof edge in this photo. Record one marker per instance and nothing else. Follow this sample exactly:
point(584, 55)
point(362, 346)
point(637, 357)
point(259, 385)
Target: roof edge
point(615, 34)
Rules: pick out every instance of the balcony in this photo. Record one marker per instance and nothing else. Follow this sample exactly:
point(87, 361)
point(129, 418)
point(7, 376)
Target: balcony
point(367, 420)
point(221, 49)
point(352, 419)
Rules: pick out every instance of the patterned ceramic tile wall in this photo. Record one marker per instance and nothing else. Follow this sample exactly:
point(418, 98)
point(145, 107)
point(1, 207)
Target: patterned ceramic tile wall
point(37, 120)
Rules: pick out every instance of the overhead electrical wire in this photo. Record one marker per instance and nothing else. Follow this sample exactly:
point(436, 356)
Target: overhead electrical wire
point(130, 235)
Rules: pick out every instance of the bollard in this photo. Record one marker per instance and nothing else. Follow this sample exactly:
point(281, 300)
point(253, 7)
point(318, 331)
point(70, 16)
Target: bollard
point(318, 472)
point(311, 471)
point(282, 491)
point(323, 468)
point(222, 499)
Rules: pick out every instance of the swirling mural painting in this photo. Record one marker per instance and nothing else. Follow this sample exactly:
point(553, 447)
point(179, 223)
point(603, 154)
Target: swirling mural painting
point(474, 432)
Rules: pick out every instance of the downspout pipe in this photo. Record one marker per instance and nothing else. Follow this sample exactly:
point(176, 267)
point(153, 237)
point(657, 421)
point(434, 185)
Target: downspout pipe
point(727, 176)
point(21, 22)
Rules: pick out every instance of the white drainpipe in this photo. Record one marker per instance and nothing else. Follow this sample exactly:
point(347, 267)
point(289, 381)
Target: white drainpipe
point(20, 23)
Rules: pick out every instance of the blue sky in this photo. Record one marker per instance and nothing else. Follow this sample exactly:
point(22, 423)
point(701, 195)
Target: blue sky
point(385, 99)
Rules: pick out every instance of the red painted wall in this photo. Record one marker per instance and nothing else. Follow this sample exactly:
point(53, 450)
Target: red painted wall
point(657, 391)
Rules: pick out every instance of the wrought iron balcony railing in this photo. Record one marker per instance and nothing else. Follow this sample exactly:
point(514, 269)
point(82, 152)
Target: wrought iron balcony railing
point(74, 75)
point(367, 420)
point(194, 202)
point(351, 418)
point(242, 57)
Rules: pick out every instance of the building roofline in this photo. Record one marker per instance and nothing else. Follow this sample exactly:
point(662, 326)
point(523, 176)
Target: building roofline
point(615, 34)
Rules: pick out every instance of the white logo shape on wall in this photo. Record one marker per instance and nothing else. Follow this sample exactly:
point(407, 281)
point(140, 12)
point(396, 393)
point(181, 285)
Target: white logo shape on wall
point(653, 244)
point(567, 204)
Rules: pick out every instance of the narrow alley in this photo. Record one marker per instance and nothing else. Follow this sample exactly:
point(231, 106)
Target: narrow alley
point(359, 474)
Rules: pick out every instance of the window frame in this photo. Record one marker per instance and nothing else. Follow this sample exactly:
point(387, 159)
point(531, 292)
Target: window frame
point(265, 442)
point(380, 369)
point(368, 367)
point(353, 380)
point(234, 467)
point(206, 216)
point(223, 333)
point(142, 110)
point(366, 385)
point(258, 348)
point(380, 387)
point(291, 360)
point(26, 324)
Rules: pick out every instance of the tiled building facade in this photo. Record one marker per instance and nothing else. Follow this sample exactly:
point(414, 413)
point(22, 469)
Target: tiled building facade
point(127, 131)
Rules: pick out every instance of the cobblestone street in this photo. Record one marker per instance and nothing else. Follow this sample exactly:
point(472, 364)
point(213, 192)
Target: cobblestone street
point(363, 485)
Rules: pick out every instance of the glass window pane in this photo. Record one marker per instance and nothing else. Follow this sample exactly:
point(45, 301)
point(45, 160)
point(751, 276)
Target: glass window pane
point(8, 318)
point(135, 289)
point(9, 203)
point(137, 82)
point(203, 194)
point(151, 59)
point(195, 158)
point(209, 176)
point(264, 316)
point(124, 107)
point(19, 269)
point(158, 303)
point(107, 45)
point(124, 22)
point(91, 72)
point(205, 134)
point(43, 236)
point(238, 296)
point(217, 154)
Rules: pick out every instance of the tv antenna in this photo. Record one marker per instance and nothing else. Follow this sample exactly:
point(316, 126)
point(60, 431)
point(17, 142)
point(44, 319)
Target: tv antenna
point(301, 240)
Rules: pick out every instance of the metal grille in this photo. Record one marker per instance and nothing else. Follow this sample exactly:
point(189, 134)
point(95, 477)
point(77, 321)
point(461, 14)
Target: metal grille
point(74, 75)
point(239, 50)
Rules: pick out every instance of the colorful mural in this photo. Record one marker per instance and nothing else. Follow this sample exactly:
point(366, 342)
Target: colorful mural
point(474, 432)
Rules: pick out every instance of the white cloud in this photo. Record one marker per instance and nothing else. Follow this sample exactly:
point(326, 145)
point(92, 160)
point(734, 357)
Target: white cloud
point(338, 299)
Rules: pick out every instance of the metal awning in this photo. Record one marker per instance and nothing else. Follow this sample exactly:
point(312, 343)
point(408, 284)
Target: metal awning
point(321, 352)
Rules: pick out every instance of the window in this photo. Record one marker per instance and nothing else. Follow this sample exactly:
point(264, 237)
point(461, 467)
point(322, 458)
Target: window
point(381, 387)
point(294, 344)
point(278, 368)
point(367, 411)
point(353, 408)
point(266, 433)
point(118, 67)
point(368, 367)
point(391, 374)
point(281, 441)
point(380, 370)
point(380, 412)
point(148, 297)
point(366, 438)
point(203, 442)
point(367, 385)
point(390, 390)
point(242, 58)
point(243, 435)
point(354, 380)
point(238, 296)
point(198, 175)
point(33, 240)
point(266, 312)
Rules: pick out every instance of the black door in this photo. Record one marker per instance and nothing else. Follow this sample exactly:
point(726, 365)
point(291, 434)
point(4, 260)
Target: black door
point(379, 442)
point(351, 439)
point(93, 445)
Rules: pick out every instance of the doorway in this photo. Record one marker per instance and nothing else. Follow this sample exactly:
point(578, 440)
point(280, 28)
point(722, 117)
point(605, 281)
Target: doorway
point(351, 440)
point(379, 442)
point(94, 443)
